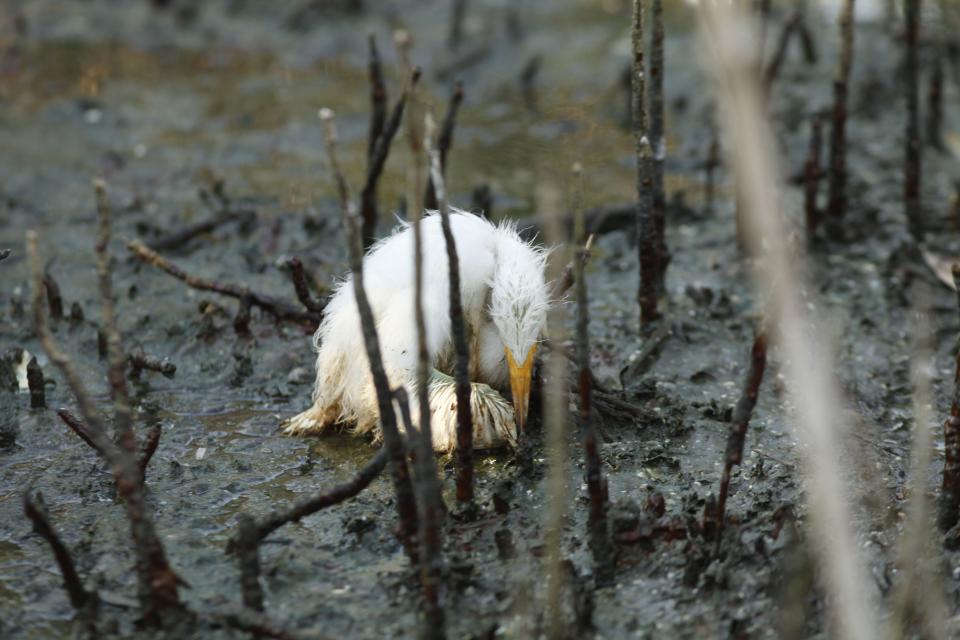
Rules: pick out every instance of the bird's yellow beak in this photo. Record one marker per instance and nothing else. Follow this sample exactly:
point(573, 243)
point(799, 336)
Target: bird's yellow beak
point(520, 378)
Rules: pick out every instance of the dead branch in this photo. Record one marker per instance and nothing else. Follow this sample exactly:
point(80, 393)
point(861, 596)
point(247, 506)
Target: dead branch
point(378, 159)
point(245, 544)
point(444, 142)
point(149, 447)
point(176, 239)
point(647, 249)
point(35, 384)
point(54, 298)
point(429, 498)
point(281, 309)
point(378, 97)
point(406, 503)
point(912, 158)
point(568, 276)
point(462, 367)
point(838, 136)
point(812, 172)
point(596, 484)
point(35, 509)
point(80, 429)
point(157, 583)
point(140, 361)
point(301, 286)
point(658, 143)
point(333, 496)
point(741, 421)
point(116, 369)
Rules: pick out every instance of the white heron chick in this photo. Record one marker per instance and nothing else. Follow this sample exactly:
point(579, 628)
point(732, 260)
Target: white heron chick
point(505, 301)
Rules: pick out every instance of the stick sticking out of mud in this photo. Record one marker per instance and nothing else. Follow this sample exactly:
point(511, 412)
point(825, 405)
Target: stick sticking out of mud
point(281, 309)
point(443, 144)
point(600, 544)
point(149, 447)
point(808, 365)
point(157, 583)
point(740, 422)
point(406, 503)
point(913, 145)
point(116, 367)
point(54, 297)
point(378, 97)
point(35, 384)
point(710, 166)
point(950, 491)
point(458, 12)
point(934, 123)
point(837, 205)
point(555, 426)
point(429, 498)
point(659, 143)
point(812, 173)
point(245, 543)
point(790, 27)
point(140, 361)
point(378, 159)
point(462, 367)
point(300, 285)
point(35, 509)
point(647, 293)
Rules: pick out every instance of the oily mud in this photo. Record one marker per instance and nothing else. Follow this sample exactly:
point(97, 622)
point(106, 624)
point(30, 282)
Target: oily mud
point(174, 106)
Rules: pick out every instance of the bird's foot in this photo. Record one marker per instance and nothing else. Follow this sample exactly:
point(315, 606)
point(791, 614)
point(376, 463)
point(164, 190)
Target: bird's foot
point(492, 415)
point(312, 421)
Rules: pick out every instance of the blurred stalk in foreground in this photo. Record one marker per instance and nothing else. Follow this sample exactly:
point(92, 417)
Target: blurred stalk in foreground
point(808, 366)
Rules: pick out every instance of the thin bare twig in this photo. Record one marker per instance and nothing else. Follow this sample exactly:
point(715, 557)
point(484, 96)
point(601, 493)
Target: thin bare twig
point(378, 159)
point(740, 422)
point(54, 297)
point(658, 141)
point(429, 499)
point(555, 425)
point(245, 543)
point(406, 503)
point(444, 142)
point(913, 144)
point(35, 384)
point(378, 97)
point(300, 285)
point(812, 172)
point(599, 535)
point(116, 370)
point(647, 291)
point(149, 447)
point(808, 366)
point(837, 203)
point(140, 361)
point(458, 329)
point(157, 583)
point(280, 308)
point(35, 509)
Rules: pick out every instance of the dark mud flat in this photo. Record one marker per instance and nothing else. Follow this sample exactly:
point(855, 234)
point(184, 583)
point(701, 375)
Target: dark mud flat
point(163, 104)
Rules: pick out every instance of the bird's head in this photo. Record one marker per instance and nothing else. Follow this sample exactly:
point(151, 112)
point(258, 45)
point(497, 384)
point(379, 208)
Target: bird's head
point(519, 299)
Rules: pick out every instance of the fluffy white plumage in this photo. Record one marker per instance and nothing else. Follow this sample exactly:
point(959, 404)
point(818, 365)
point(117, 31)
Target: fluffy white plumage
point(505, 301)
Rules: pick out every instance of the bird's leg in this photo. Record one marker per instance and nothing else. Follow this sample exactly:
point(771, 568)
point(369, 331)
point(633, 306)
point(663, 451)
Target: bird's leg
point(314, 420)
point(493, 421)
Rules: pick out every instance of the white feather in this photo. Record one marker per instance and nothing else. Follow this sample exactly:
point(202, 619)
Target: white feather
point(505, 301)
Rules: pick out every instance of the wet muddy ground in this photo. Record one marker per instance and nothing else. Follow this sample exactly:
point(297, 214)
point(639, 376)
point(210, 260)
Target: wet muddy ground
point(163, 104)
